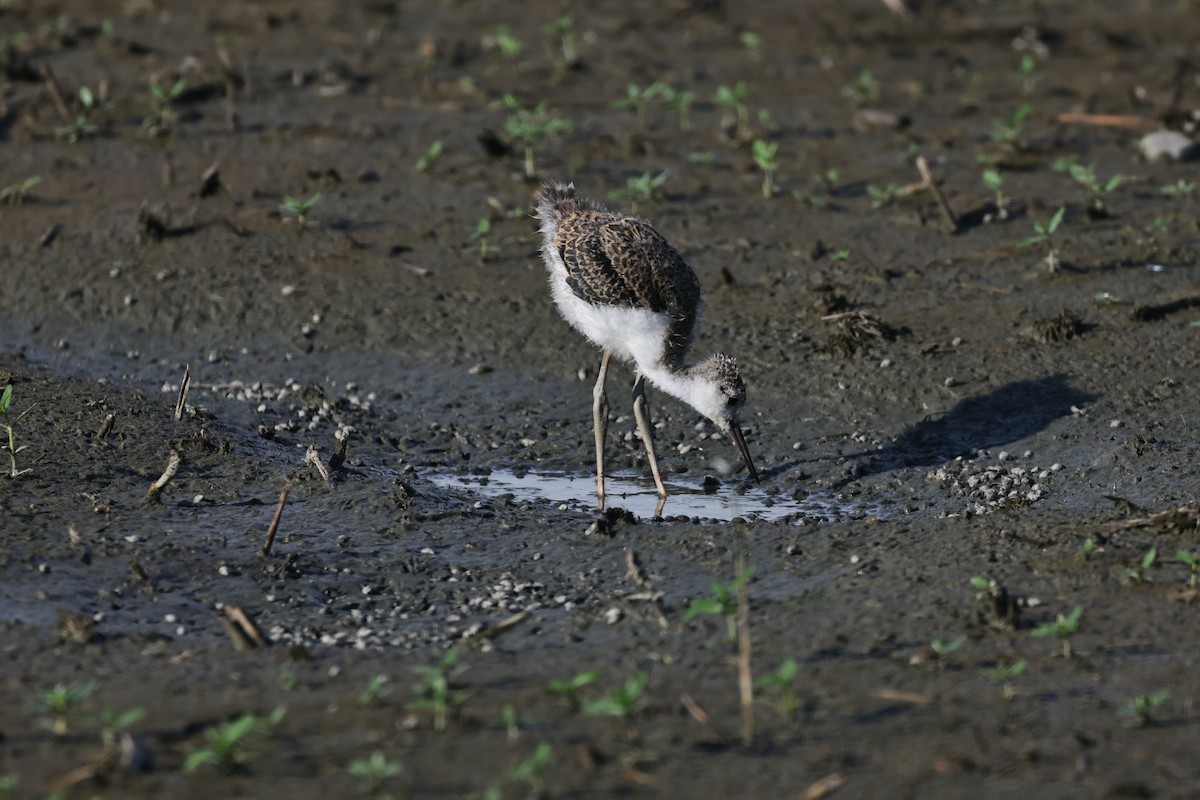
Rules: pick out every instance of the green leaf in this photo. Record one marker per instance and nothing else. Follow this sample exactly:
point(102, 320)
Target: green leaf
point(199, 758)
point(705, 605)
point(6, 399)
point(1056, 220)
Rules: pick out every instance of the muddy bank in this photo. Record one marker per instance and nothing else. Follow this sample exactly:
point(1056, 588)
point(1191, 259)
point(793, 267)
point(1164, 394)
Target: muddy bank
point(927, 408)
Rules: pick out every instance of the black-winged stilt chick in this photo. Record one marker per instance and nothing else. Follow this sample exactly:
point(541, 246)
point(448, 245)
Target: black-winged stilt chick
point(617, 281)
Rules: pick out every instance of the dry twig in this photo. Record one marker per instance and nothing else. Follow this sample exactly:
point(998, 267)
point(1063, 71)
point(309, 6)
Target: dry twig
point(265, 550)
point(172, 467)
point(184, 385)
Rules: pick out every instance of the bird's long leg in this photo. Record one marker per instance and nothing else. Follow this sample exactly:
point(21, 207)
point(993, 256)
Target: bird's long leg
point(641, 413)
point(600, 425)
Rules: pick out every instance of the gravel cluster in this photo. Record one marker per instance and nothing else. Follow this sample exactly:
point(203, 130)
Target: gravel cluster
point(988, 484)
point(294, 407)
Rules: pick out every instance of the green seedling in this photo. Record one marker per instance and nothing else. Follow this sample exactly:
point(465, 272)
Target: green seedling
point(509, 46)
point(1160, 224)
point(641, 188)
point(722, 601)
point(512, 727)
point(431, 155)
point(840, 255)
point(373, 690)
point(9, 784)
point(1086, 177)
point(531, 124)
point(1006, 674)
point(527, 772)
point(625, 701)
point(1089, 548)
point(779, 686)
point(809, 199)
point(299, 209)
point(229, 743)
point(569, 689)
point(83, 126)
point(1137, 573)
point(1044, 234)
point(764, 158)
point(680, 102)
point(883, 197)
point(15, 194)
point(113, 724)
point(163, 115)
point(482, 231)
point(988, 588)
point(1027, 70)
point(735, 114)
point(1106, 299)
point(61, 701)
point(1063, 164)
point(1193, 563)
point(1180, 189)
point(993, 180)
point(752, 42)
point(638, 99)
point(944, 649)
point(1137, 711)
point(9, 428)
point(435, 693)
point(374, 772)
point(1062, 627)
point(1008, 132)
point(564, 29)
point(862, 90)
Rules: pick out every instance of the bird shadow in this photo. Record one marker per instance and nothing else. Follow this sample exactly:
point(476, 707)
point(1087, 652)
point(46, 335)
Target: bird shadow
point(1009, 413)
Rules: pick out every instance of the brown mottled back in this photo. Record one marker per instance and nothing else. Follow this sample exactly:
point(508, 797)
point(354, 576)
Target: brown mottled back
point(621, 261)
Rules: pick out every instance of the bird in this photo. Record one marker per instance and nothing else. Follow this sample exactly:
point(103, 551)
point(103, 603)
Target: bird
point(620, 283)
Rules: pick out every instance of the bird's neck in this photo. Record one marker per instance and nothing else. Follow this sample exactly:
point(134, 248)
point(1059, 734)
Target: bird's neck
point(683, 383)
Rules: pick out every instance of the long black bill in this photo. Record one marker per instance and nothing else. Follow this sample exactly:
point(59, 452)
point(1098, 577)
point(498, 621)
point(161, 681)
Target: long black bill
point(740, 439)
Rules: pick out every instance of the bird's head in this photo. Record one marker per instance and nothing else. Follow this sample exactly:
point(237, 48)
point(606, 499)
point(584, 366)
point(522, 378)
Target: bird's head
point(719, 393)
point(555, 201)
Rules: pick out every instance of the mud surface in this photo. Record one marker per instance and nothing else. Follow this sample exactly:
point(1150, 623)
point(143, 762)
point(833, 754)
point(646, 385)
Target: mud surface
point(926, 407)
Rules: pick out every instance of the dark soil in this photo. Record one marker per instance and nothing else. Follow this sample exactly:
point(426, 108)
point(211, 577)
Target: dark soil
point(966, 411)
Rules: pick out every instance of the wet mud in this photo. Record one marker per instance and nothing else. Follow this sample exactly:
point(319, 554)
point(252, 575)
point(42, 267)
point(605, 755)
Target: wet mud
point(964, 436)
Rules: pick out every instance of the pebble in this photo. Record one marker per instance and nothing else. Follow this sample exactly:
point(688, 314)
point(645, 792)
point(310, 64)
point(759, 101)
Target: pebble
point(1170, 145)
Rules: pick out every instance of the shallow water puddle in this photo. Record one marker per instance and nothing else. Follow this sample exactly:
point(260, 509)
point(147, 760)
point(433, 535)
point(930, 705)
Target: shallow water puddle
point(638, 496)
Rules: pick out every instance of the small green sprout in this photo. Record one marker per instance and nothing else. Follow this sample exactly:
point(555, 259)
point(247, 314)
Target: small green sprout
point(229, 743)
point(780, 687)
point(1137, 573)
point(1062, 627)
point(531, 124)
point(1137, 711)
point(641, 188)
point(163, 116)
point(944, 649)
point(299, 209)
point(752, 42)
point(512, 727)
point(1006, 674)
point(1088, 549)
point(435, 693)
point(8, 785)
point(840, 255)
point(564, 29)
point(1193, 563)
point(570, 688)
point(373, 690)
point(988, 587)
point(15, 194)
point(638, 99)
point(764, 157)
point(431, 155)
point(1028, 73)
point(680, 102)
point(10, 429)
point(1044, 234)
point(1008, 132)
point(1180, 189)
point(84, 125)
point(722, 601)
point(625, 701)
point(1106, 299)
point(61, 701)
point(374, 772)
point(527, 772)
point(883, 197)
point(509, 46)
point(1086, 177)
point(993, 180)
point(482, 230)
point(735, 115)
point(112, 724)
point(862, 90)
